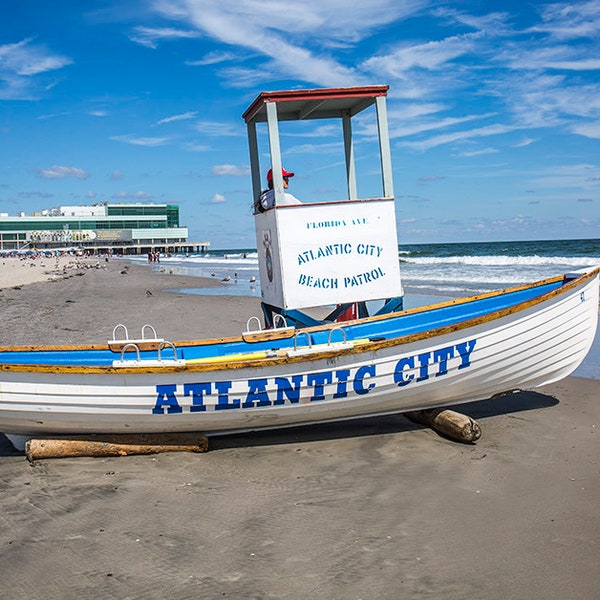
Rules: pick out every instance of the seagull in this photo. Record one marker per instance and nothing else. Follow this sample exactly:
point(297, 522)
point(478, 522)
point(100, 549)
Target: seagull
point(252, 279)
point(226, 278)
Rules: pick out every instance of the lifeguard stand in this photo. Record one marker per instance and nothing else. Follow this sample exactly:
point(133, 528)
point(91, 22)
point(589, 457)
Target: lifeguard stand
point(339, 254)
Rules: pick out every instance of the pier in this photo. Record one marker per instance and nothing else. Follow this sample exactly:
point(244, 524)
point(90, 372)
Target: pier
point(145, 248)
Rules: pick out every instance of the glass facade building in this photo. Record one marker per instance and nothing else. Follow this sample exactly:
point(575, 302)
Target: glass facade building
point(121, 228)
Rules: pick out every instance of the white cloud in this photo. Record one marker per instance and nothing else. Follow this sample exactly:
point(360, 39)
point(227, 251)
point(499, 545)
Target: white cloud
point(230, 170)
point(494, 22)
point(181, 117)
point(470, 154)
point(140, 141)
point(54, 115)
point(277, 30)
point(542, 55)
point(219, 129)
point(315, 149)
point(212, 58)
point(59, 172)
point(24, 58)
point(585, 64)
point(423, 126)
point(589, 130)
point(191, 147)
point(407, 111)
point(550, 101)
point(218, 199)
point(310, 129)
point(431, 56)
point(485, 56)
point(456, 136)
point(139, 195)
point(149, 36)
point(570, 20)
point(338, 19)
point(524, 142)
point(20, 63)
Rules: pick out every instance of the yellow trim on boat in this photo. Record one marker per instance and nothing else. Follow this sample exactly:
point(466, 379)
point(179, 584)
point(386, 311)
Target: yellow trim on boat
point(231, 357)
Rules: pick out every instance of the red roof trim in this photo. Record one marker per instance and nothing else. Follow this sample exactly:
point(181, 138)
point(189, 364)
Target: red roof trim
point(371, 91)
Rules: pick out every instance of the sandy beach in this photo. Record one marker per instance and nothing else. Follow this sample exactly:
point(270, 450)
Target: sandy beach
point(84, 299)
point(374, 508)
point(24, 269)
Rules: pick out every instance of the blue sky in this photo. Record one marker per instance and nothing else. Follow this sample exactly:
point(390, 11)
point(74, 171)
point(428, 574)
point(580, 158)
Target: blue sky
point(494, 109)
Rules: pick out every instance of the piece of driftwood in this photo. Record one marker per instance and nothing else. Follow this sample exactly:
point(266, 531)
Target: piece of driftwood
point(115, 445)
point(450, 423)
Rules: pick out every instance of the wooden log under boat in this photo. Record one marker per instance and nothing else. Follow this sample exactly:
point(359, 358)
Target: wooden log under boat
point(450, 423)
point(115, 445)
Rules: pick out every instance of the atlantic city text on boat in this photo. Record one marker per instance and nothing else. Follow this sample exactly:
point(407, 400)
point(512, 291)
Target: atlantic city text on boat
point(276, 391)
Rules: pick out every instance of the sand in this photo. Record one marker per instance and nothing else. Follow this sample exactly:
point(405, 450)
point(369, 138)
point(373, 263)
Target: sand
point(87, 300)
point(374, 508)
point(22, 270)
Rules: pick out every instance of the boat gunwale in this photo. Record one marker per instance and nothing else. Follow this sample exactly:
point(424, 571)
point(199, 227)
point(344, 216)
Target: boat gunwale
point(221, 363)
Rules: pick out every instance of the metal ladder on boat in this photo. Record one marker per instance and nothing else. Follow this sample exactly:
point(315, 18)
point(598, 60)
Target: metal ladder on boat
point(142, 344)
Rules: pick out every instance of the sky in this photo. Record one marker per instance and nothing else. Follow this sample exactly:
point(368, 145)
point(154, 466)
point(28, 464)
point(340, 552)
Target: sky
point(493, 108)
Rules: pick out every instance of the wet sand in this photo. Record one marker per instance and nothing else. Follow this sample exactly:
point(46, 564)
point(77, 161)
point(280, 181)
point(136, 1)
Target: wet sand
point(374, 508)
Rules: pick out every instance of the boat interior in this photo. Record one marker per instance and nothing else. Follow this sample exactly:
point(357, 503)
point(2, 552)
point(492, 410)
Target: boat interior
point(257, 343)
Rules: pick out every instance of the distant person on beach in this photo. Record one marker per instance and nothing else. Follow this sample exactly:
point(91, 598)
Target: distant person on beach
point(267, 199)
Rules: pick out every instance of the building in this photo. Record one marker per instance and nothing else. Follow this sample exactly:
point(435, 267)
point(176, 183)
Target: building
point(99, 229)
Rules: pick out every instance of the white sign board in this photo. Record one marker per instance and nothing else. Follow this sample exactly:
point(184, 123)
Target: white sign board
point(328, 253)
point(61, 235)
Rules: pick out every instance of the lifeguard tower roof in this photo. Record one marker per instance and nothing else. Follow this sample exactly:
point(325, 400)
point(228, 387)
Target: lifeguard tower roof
point(324, 103)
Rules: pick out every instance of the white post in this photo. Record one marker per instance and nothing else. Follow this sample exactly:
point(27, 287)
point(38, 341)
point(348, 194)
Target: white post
point(254, 162)
point(273, 127)
point(349, 149)
point(384, 148)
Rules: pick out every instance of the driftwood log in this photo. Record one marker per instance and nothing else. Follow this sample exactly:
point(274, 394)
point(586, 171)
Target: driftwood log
point(115, 445)
point(450, 423)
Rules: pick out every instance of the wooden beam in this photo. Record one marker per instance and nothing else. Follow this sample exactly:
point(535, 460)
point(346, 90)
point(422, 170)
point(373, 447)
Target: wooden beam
point(114, 445)
point(452, 424)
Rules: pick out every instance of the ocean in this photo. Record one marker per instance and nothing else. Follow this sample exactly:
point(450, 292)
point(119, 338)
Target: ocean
point(441, 270)
point(430, 272)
